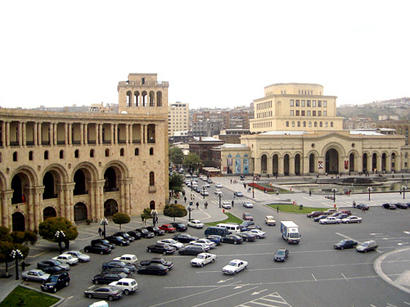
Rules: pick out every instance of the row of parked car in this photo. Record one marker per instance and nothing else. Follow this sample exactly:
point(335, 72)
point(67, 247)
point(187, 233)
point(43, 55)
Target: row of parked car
point(332, 216)
point(394, 206)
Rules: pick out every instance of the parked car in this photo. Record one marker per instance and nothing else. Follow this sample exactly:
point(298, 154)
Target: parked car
point(118, 264)
point(401, 205)
point(107, 277)
point(66, 258)
point(179, 226)
point(352, 219)
point(136, 235)
point(127, 258)
point(196, 224)
point(104, 242)
point(172, 242)
point(362, 207)
point(52, 266)
point(218, 185)
point(161, 248)
point(232, 239)
point(238, 194)
point(247, 204)
point(218, 192)
point(318, 218)
point(157, 260)
point(156, 230)
point(56, 282)
point(118, 240)
point(168, 228)
point(345, 243)
point(106, 292)
point(215, 238)
point(203, 245)
point(348, 212)
point(35, 275)
point(192, 250)
point(118, 270)
point(281, 255)
point(203, 259)
point(235, 266)
point(389, 206)
point(269, 220)
point(97, 249)
point(204, 192)
point(127, 285)
point(247, 217)
point(226, 205)
point(314, 214)
point(366, 246)
point(145, 233)
point(184, 238)
point(206, 241)
point(258, 233)
point(330, 220)
point(81, 256)
point(153, 269)
point(125, 235)
point(247, 236)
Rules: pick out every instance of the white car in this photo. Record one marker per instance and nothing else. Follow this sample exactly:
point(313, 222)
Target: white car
point(203, 245)
point(248, 204)
point(234, 266)
point(226, 205)
point(218, 192)
point(81, 256)
point(127, 285)
point(219, 186)
point(204, 193)
point(258, 233)
point(196, 224)
point(269, 220)
point(67, 259)
point(127, 258)
point(35, 275)
point(172, 242)
point(352, 219)
point(203, 259)
point(206, 185)
point(330, 220)
point(211, 244)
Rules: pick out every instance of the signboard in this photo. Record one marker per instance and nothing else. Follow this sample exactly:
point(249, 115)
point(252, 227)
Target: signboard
point(320, 164)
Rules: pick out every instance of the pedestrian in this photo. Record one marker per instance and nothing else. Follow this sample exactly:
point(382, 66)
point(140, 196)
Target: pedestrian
point(354, 204)
point(310, 193)
point(197, 205)
point(23, 266)
point(277, 209)
point(231, 181)
point(99, 231)
point(244, 185)
point(103, 234)
point(233, 203)
point(185, 199)
point(206, 205)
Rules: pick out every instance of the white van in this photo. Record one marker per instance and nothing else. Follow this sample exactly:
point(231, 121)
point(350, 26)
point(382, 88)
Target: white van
point(232, 228)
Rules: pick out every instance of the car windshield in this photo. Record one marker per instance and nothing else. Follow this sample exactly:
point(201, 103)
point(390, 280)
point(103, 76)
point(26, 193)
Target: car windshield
point(233, 263)
point(200, 256)
point(53, 278)
point(294, 235)
point(280, 252)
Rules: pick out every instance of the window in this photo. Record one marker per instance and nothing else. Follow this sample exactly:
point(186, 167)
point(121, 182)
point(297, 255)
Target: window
point(313, 103)
point(324, 103)
point(15, 156)
point(297, 103)
point(315, 124)
point(326, 124)
point(46, 155)
point(298, 123)
point(331, 124)
point(76, 153)
point(297, 112)
point(136, 152)
point(293, 124)
point(303, 112)
point(320, 124)
point(308, 113)
point(304, 124)
point(151, 151)
point(287, 124)
point(314, 113)
point(107, 152)
point(319, 113)
point(324, 113)
point(92, 153)
point(61, 154)
point(302, 103)
point(122, 152)
point(319, 103)
point(308, 103)
point(292, 102)
point(151, 179)
point(310, 124)
point(292, 112)
point(30, 155)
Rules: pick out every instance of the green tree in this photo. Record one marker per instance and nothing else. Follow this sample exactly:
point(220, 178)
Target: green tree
point(175, 183)
point(7, 245)
point(176, 155)
point(192, 161)
point(146, 214)
point(50, 226)
point(175, 210)
point(121, 218)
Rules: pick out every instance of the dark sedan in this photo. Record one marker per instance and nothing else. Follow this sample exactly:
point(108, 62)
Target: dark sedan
point(103, 242)
point(106, 278)
point(281, 255)
point(125, 235)
point(191, 250)
point(314, 214)
point(161, 248)
point(145, 233)
point(401, 205)
point(108, 292)
point(153, 269)
point(136, 235)
point(97, 249)
point(52, 266)
point(389, 206)
point(118, 240)
point(184, 238)
point(318, 218)
point(215, 238)
point(117, 271)
point(232, 239)
point(345, 244)
point(118, 264)
point(56, 282)
point(156, 230)
point(362, 207)
point(162, 261)
point(180, 226)
point(246, 236)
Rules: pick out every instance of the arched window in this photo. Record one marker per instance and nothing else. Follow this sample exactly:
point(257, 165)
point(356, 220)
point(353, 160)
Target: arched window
point(144, 98)
point(287, 123)
point(30, 155)
point(298, 123)
point(315, 124)
point(61, 154)
point(107, 152)
point(137, 98)
point(151, 151)
point(137, 151)
point(331, 124)
point(151, 179)
point(310, 124)
point(46, 155)
point(151, 99)
point(15, 156)
point(151, 133)
point(92, 153)
point(304, 124)
point(129, 99)
point(76, 153)
point(122, 152)
point(159, 99)
point(320, 124)
point(293, 124)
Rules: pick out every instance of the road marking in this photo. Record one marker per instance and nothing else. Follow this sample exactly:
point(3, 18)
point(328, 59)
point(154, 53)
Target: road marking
point(314, 277)
point(259, 292)
point(407, 303)
point(346, 237)
point(36, 255)
point(226, 296)
point(345, 278)
point(224, 280)
point(271, 298)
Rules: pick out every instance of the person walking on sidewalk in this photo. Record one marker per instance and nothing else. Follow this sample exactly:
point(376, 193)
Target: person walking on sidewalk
point(206, 205)
point(197, 205)
point(233, 203)
point(185, 199)
point(99, 231)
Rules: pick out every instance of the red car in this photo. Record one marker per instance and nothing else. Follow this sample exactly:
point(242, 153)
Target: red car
point(247, 217)
point(167, 228)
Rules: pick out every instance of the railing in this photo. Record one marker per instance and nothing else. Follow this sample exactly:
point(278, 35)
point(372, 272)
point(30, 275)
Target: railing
point(145, 84)
point(45, 142)
point(136, 141)
point(75, 142)
point(111, 189)
point(107, 142)
point(60, 142)
point(93, 142)
point(121, 141)
point(29, 143)
point(48, 196)
point(14, 143)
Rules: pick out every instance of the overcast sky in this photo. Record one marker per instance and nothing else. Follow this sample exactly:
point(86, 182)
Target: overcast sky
point(213, 53)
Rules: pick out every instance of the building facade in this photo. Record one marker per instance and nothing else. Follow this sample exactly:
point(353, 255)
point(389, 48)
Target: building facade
point(402, 127)
point(178, 118)
point(86, 166)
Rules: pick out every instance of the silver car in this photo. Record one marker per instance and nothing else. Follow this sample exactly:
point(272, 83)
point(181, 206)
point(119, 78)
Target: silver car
point(82, 257)
point(105, 292)
point(35, 275)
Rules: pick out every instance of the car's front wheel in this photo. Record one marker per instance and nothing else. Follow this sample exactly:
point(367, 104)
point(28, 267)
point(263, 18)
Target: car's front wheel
point(110, 298)
point(90, 295)
point(126, 292)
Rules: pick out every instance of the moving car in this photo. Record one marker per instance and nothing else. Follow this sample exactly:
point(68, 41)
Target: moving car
point(192, 250)
point(157, 260)
point(330, 220)
point(345, 243)
point(269, 220)
point(203, 245)
point(218, 185)
point(196, 224)
point(35, 275)
point(179, 226)
point(258, 233)
point(215, 238)
point(281, 255)
point(247, 204)
point(127, 258)
point(238, 194)
point(204, 192)
point(389, 206)
point(106, 278)
point(318, 218)
point(207, 242)
point(167, 228)
point(203, 259)
point(161, 248)
point(56, 282)
point(366, 246)
point(232, 239)
point(107, 292)
point(153, 269)
point(127, 285)
point(247, 217)
point(97, 249)
point(362, 207)
point(218, 192)
point(184, 238)
point(401, 205)
point(172, 242)
point(81, 257)
point(234, 266)
point(66, 258)
point(352, 219)
point(226, 205)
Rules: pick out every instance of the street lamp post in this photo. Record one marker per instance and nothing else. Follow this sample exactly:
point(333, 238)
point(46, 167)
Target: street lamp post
point(220, 197)
point(369, 189)
point(104, 222)
point(16, 254)
point(334, 190)
point(60, 235)
point(404, 188)
point(253, 185)
point(189, 213)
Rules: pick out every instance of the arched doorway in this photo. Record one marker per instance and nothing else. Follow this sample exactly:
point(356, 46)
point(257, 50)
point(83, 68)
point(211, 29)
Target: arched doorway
point(297, 164)
point(275, 165)
point(365, 163)
point(311, 163)
point(264, 163)
point(110, 207)
point(351, 162)
point(18, 223)
point(374, 162)
point(49, 186)
point(384, 162)
point(286, 165)
point(49, 212)
point(80, 186)
point(18, 183)
point(110, 180)
point(332, 161)
point(80, 212)
point(393, 161)
point(152, 205)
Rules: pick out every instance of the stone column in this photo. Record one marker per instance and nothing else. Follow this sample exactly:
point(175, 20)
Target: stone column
point(257, 165)
point(40, 141)
point(6, 197)
point(125, 189)
point(20, 133)
point(369, 163)
point(280, 166)
point(269, 166)
point(98, 214)
point(38, 202)
point(398, 163)
point(388, 163)
point(143, 136)
point(291, 165)
point(70, 134)
point(127, 127)
point(85, 134)
point(3, 135)
point(35, 128)
point(112, 134)
point(7, 134)
point(379, 163)
point(305, 166)
point(99, 134)
point(131, 140)
point(65, 134)
point(70, 203)
point(81, 134)
point(358, 163)
point(23, 134)
point(55, 133)
point(323, 159)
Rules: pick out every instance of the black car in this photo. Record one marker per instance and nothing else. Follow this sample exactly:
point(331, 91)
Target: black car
point(180, 226)
point(184, 238)
point(136, 235)
point(245, 225)
point(281, 255)
point(161, 248)
point(52, 266)
point(156, 230)
point(124, 270)
point(129, 266)
point(102, 242)
point(314, 214)
point(153, 269)
point(318, 218)
point(125, 235)
point(118, 264)
point(232, 239)
point(162, 261)
point(389, 206)
point(145, 233)
point(345, 243)
point(118, 240)
point(401, 206)
point(246, 236)
point(191, 250)
point(56, 282)
point(106, 278)
point(362, 207)
point(97, 249)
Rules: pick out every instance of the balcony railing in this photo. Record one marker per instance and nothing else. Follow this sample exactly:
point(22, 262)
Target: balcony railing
point(14, 143)
point(91, 142)
point(76, 142)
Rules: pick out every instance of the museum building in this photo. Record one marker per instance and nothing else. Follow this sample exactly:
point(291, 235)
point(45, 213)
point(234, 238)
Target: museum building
point(86, 166)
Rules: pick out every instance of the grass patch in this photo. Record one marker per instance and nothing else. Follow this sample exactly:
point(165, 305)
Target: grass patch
point(21, 296)
point(232, 219)
point(295, 209)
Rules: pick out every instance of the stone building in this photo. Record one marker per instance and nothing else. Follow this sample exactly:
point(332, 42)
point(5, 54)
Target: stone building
point(178, 118)
point(86, 165)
